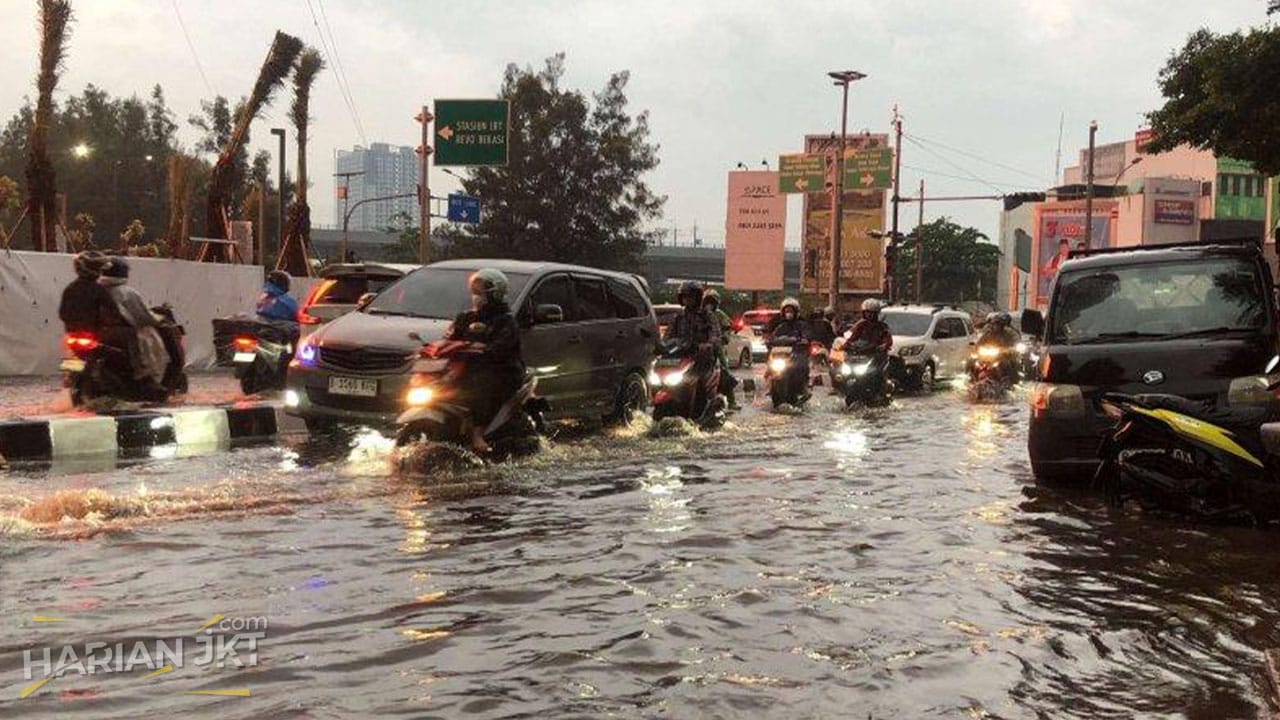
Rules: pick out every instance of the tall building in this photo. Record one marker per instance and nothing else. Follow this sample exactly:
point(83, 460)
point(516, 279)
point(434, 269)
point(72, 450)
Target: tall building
point(388, 170)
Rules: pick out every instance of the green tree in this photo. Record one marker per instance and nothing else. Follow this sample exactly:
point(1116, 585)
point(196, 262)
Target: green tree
point(960, 264)
point(1220, 95)
point(296, 253)
point(42, 184)
point(574, 188)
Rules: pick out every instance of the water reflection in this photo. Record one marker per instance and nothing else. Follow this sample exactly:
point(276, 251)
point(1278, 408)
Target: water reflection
point(668, 507)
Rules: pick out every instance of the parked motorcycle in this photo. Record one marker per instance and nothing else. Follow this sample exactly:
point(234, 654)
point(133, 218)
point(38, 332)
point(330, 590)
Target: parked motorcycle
point(259, 350)
point(863, 376)
point(1176, 453)
point(437, 414)
point(787, 371)
point(681, 384)
point(993, 371)
point(94, 368)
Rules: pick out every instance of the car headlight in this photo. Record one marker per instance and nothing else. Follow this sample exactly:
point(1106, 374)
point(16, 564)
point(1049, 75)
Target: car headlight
point(306, 353)
point(419, 396)
point(654, 378)
point(910, 350)
point(674, 379)
point(292, 399)
point(1057, 399)
point(1250, 390)
point(777, 365)
point(845, 369)
point(860, 370)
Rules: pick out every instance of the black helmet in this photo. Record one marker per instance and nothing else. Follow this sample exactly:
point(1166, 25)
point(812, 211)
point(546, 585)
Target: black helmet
point(117, 267)
point(690, 288)
point(89, 264)
point(280, 279)
point(711, 296)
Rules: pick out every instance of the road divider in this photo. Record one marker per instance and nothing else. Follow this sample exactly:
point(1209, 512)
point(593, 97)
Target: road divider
point(131, 432)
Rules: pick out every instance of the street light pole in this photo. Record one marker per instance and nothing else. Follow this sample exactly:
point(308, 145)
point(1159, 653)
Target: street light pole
point(842, 78)
point(1088, 192)
point(279, 132)
point(346, 204)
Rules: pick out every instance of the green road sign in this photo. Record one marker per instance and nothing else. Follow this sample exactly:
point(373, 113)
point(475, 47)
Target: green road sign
point(802, 173)
point(472, 132)
point(868, 169)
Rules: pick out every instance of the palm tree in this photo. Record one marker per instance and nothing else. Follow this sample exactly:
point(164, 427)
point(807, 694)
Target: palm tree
point(284, 50)
point(42, 185)
point(295, 251)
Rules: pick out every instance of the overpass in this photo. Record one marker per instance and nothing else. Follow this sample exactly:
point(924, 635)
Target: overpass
point(662, 263)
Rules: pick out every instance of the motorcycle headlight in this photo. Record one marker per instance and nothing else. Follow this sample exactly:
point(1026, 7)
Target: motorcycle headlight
point(988, 352)
point(777, 365)
point(910, 350)
point(1021, 348)
point(846, 369)
point(654, 378)
point(419, 396)
point(860, 370)
point(674, 379)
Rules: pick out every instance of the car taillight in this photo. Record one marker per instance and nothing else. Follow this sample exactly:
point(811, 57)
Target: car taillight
point(245, 343)
point(78, 342)
point(738, 324)
point(815, 348)
point(306, 318)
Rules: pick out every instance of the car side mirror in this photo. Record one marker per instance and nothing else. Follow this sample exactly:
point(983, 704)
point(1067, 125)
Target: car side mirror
point(1032, 323)
point(546, 314)
point(365, 299)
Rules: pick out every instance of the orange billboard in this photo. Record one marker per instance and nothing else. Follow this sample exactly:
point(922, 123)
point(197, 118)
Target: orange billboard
point(862, 256)
point(754, 231)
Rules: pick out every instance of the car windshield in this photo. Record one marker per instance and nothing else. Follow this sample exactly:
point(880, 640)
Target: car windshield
point(1158, 301)
point(435, 293)
point(907, 324)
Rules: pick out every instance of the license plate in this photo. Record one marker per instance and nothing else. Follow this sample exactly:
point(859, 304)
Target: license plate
point(358, 387)
point(667, 362)
point(73, 365)
point(245, 357)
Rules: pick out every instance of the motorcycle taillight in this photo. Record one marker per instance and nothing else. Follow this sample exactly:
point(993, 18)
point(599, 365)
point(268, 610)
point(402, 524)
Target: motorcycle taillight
point(245, 343)
point(80, 342)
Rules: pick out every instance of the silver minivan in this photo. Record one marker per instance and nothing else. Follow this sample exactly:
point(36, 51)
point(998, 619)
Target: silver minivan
point(588, 336)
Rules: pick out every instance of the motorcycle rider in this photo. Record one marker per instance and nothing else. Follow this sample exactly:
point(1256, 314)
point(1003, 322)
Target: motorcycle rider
point(788, 324)
point(84, 300)
point(137, 328)
point(870, 328)
point(698, 332)
point(275, 303)
point(998, 331)
point(711, 302)
point(821, 328)
point(495, 369)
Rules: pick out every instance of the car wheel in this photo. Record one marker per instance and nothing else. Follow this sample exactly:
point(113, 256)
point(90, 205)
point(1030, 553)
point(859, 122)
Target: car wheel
point(632, 398)
point(744, 360)
point(927, 378)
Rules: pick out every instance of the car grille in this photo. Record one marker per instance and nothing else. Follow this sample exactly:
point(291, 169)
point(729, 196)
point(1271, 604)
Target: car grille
point(318, 396)
point(364, 359)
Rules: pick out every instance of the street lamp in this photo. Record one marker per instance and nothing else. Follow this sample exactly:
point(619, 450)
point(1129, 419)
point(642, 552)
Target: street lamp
point(842, 78)
point(82, 150)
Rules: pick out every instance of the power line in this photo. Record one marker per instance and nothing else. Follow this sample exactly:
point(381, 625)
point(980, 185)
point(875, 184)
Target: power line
point(979, 158)
point(333, 45)
point(948, 161)
point(932, 172)
point(342, 86)
point(191, 46)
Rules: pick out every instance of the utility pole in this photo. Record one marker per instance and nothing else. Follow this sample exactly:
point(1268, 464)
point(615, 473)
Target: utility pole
point(279, 132)
point(424, 186)
point(1088, 192)
point(897, 167)
point(262, 220)
point(346, 204)
point(920, 247)
point(842, 78)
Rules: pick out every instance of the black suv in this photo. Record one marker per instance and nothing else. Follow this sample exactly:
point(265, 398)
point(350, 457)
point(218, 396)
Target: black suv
point(587, 334)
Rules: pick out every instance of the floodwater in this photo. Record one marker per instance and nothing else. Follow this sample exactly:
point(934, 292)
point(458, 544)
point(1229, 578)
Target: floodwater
point(895, 563)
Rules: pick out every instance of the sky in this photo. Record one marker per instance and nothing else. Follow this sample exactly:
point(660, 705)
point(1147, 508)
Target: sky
point(982, 86)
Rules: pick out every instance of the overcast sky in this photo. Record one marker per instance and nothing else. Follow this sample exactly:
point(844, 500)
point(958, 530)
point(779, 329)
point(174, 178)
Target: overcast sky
point(724, 81)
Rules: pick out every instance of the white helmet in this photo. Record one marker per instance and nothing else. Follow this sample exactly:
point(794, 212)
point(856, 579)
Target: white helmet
point(872, 305)
point(792, 303)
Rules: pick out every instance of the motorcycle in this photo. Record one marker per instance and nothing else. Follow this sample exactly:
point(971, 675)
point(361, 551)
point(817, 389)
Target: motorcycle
point(863, 376)
point(993, 370)
point(435, 413)
point(681, 387)
point(1176, 453)
point(259, 350)
point(819, 363)
point(93, 368)
point(787, 371)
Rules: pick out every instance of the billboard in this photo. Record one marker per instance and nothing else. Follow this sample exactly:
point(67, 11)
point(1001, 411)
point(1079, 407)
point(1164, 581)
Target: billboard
point(1059, 230)
point(1175, 212)
point(754, 231)
point(862, 256)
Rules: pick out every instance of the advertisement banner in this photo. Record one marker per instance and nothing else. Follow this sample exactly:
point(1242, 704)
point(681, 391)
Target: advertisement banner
point(1175, 212)
point(862, 256)
point(754, 231)
point(1061, 230)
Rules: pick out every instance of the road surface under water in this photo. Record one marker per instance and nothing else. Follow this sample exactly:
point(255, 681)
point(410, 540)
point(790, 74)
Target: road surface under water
point(889, 563)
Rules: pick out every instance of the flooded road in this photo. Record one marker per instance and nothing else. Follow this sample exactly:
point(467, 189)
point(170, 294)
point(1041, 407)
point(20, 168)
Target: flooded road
point(888, 563)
